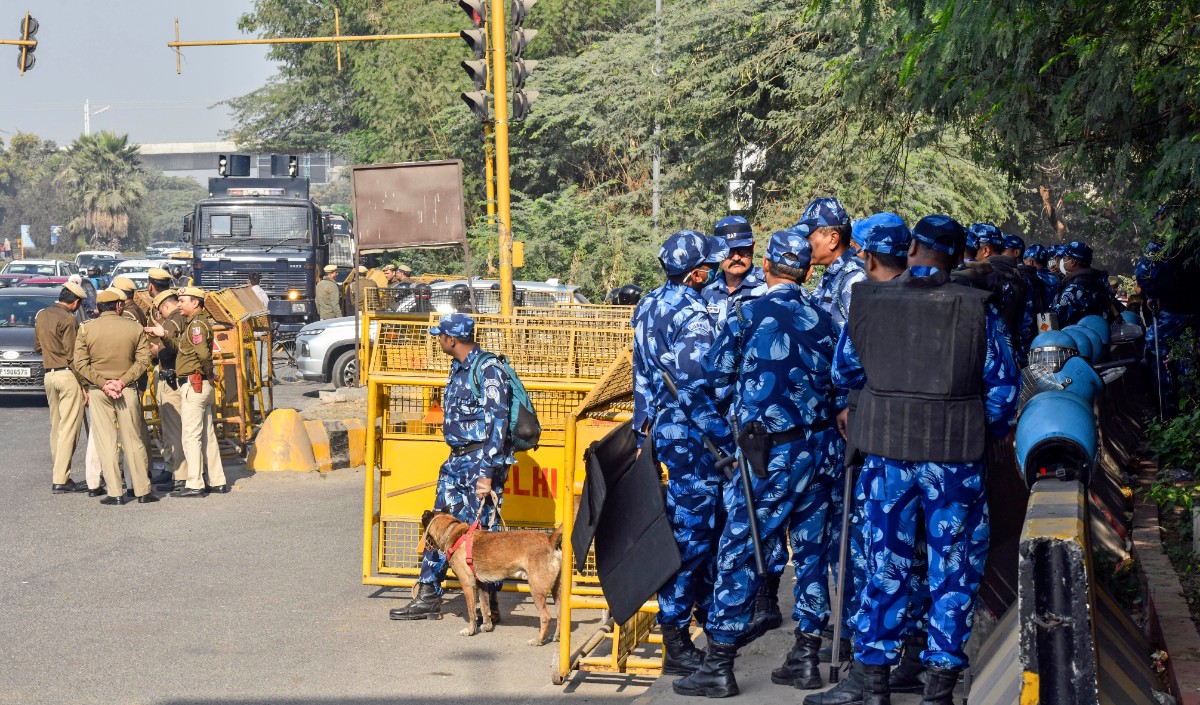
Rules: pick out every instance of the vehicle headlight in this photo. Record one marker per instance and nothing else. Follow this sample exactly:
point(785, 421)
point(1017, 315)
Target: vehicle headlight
point(298, 307)
point(311, 331)
point(292, 296)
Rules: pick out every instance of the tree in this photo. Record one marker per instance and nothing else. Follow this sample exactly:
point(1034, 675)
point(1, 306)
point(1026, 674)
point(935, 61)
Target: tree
point(101, 178)
point(159, 215)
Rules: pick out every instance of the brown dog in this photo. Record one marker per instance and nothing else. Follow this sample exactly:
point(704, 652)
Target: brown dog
point(497, 555)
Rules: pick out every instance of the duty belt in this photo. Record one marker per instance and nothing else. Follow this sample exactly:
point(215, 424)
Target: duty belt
point(799, 432)
point(169, 377)
point(463, 450)
point(57, 369)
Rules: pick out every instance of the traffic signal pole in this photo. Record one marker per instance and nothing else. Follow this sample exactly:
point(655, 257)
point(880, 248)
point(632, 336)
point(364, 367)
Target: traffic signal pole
point(499, 70)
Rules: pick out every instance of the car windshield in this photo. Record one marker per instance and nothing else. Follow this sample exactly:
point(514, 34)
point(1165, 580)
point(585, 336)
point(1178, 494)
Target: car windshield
point(230, 223)
point(19, 311)
point(45, 270)
point(127, 268)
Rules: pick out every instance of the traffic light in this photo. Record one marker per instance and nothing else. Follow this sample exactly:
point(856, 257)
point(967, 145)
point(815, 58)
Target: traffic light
point(29, 29)
point(521, 67)
point(477, 10)
point(476, 39)
point(478, 102)
point(478, 71)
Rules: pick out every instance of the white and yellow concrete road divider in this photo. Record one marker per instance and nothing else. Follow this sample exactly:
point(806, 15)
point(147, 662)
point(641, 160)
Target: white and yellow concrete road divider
point(289, 443)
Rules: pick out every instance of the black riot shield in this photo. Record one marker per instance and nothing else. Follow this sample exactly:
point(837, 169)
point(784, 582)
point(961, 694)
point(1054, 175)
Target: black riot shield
point(622, 509)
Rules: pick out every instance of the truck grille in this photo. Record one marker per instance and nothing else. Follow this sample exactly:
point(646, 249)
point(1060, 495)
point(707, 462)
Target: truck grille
point(274, 283)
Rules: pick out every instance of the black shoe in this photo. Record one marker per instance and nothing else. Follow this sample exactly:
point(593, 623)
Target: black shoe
point(939, 687)
point(219, 489)
point(909, 675)
point(68, 486)
point(826, 652)
point(147, 498)
point(113, 500)
point(426, 605)
point(161, 478)
point(680, 655)
point(800, 667)
point(766, 606)
point(875, 685)
point(188, 492)
point(848, 692)
point(97, 492)
point(715, 677)
point(129, 492)
point(178, 485)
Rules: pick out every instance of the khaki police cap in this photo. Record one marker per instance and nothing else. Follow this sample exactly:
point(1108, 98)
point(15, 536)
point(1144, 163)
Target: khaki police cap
point(163, 296)
point(75, 289)
point(405, 268)
point(388, 268)
point(123, 283)
point(108, 296)
point(330, 268)
point(157, 273)
point(192, 291)
point(362, 269)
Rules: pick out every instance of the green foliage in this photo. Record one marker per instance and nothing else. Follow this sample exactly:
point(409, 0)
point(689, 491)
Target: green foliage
point(1176, 440)
point(160, 214)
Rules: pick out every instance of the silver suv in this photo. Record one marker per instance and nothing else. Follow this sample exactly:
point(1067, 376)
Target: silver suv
point(326, 351)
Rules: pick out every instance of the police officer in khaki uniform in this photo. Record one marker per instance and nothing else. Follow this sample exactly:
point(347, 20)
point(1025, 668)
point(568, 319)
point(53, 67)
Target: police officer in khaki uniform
point(130, 310)
point(111, 352)
point(169, 387)
point(54, 330)
point(193, 367)
point(158, 281)
point(329, 297)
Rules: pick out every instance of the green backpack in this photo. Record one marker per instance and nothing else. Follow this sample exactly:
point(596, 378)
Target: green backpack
point(523, 426)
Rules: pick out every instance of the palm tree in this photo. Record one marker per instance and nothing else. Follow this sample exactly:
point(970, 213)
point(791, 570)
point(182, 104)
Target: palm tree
point(103, 177)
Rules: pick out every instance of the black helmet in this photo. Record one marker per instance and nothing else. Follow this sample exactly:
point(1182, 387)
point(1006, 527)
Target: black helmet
point(627, 295)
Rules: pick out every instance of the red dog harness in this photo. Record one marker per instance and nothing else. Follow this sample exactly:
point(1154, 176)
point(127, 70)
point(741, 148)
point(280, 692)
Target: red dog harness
point(468, 539)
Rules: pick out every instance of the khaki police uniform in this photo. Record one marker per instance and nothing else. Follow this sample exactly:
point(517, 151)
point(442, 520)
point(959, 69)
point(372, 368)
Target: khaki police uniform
point(113, 347)
point(329, 300)
point(169, 391)
point(54, 330)
point(193, 363)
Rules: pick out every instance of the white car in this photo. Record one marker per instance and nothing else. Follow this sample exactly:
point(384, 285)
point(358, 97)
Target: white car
point(39, 267)
point(139, 266)
point(87, 257)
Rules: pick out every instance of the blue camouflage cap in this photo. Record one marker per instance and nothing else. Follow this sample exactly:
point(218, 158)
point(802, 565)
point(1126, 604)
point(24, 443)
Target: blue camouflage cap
point(716, 249)
point(883, 233)
point(683, 252)
point(1036, 252)
point(941, 232)
point(824, 213)
point(1078, 250)
point(455, 325)
point(790, 249)
point(1014, 242)
point(735, 231)
point(972, 241)
point(987, 234)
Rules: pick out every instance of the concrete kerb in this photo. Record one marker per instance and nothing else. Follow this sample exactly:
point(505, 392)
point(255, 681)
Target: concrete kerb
point(337, 444)
point(1170, 620)
point(288, 443)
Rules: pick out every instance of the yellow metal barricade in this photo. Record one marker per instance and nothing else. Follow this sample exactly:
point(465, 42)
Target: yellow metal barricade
point(241, 362)
point(577, 369)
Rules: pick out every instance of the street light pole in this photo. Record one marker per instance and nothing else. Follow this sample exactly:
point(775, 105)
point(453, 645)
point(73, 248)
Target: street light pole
point(87, 116)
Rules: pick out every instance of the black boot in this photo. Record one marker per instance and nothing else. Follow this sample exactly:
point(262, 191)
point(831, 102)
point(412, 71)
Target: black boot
point(800, 668)
point(680, 655)
point(426, 605)
point(909, 675)
point(939, 686)
point(826, 652)
point(848, 692)
point(766, 606)
point(875, 685)
point(715, 677)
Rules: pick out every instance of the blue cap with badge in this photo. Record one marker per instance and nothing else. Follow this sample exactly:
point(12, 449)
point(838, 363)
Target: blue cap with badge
point(684, 251)
point(735, 231)
point(455, 325)
point(789, 248)
point(941, 232)
point(823, 213)
point(1014, 242)
point(987, 234)
point(883, 233)
point(1078, 251)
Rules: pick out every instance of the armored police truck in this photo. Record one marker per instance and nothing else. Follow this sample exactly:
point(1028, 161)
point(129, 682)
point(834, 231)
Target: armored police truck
point(263, 225)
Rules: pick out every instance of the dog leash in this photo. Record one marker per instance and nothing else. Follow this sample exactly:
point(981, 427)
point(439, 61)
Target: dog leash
point(468, 539)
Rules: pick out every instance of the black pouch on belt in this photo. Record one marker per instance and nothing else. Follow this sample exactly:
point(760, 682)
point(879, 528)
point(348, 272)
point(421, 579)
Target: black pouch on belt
point(755, 443)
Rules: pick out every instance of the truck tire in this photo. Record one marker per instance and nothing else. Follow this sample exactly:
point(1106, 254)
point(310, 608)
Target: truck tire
point(345, 368)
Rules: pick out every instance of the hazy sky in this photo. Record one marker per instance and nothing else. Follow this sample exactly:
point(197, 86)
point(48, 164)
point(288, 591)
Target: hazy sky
point(115, 53)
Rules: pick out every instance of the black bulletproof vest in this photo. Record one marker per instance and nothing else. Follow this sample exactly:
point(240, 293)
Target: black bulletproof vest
point(922, 342)
point(1012, 302)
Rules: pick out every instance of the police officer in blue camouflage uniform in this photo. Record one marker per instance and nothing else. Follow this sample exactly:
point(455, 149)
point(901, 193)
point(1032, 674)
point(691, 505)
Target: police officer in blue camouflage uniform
point(1084, 291)
point(923, 430)
point(1010, 296)
point(673, 335)
point(475, 426)
point(828, 229)
point(1166, 277)
point(772, 359)
point(739, 278)
point(1036, 257)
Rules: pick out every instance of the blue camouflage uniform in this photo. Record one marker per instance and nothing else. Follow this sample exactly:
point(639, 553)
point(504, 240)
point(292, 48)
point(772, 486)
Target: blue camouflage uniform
point(676, 332)
point(1170, 321)
point(951, 498)
point(772, 360)
point(1084, 292)
point(833, 291)
point(735, 232)
point(475, 427)
point(1040, 254)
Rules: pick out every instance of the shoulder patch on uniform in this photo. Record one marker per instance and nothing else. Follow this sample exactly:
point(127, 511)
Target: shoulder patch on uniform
point(197, 335)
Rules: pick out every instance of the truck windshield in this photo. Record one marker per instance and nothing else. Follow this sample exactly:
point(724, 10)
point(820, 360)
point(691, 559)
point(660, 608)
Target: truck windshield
point(341, 244)
point(226, 223)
